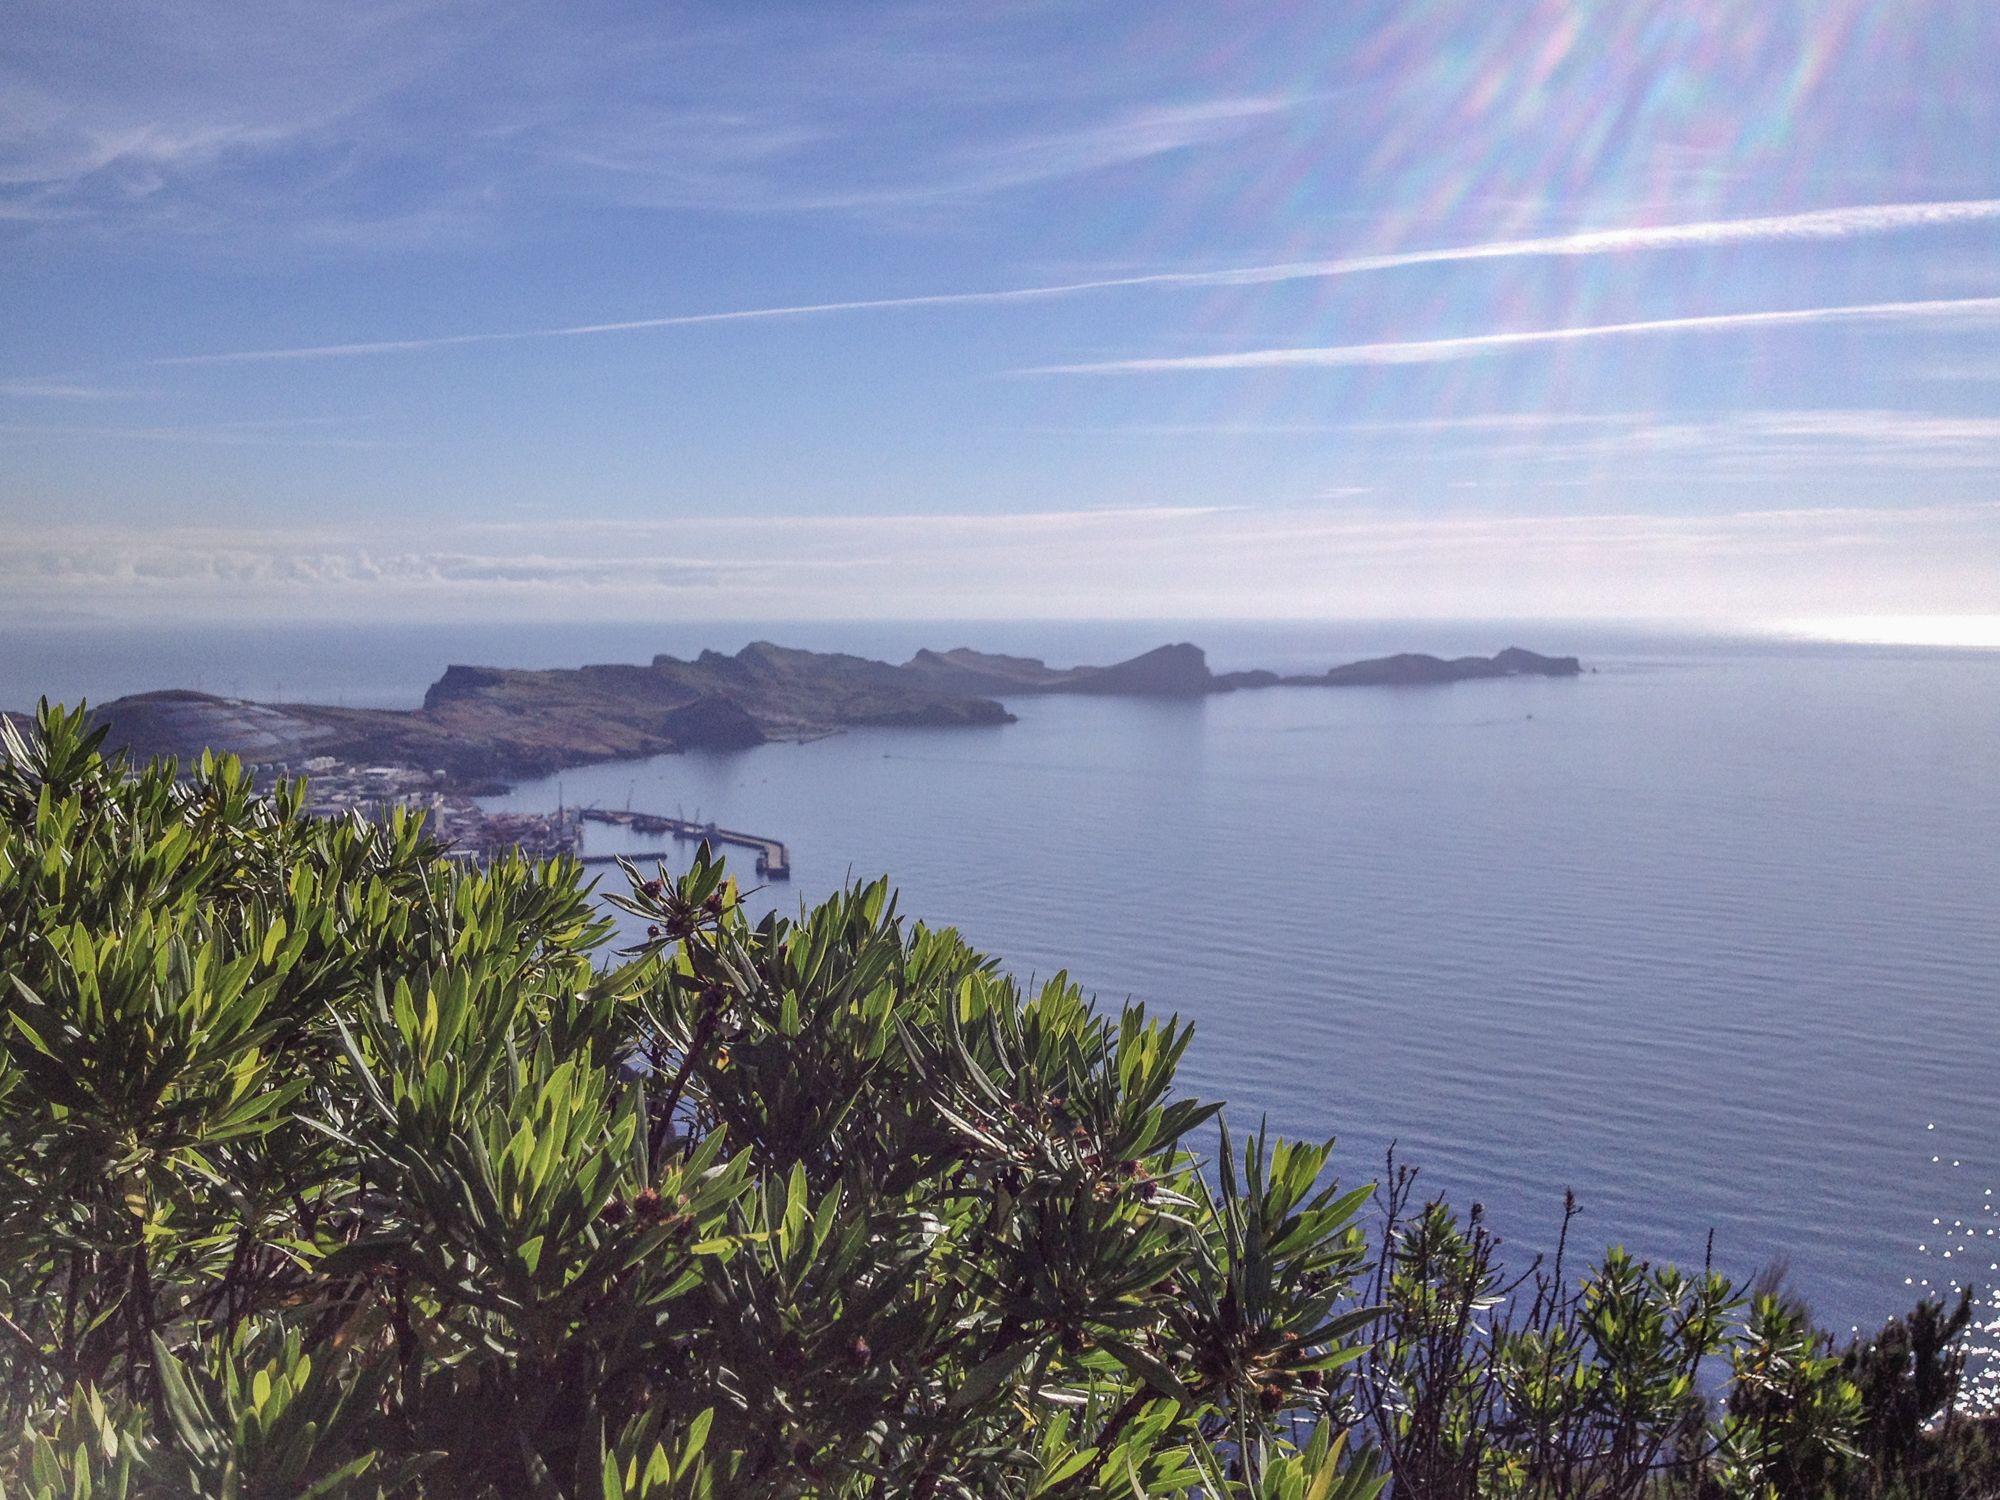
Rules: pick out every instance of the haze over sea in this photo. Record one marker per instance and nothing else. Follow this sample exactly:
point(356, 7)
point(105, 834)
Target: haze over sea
point(1708, 935)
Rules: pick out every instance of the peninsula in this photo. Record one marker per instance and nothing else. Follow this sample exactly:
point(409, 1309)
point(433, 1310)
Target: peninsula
point(483, 726)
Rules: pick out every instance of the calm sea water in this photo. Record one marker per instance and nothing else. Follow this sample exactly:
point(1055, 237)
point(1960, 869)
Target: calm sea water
point(1710, 935)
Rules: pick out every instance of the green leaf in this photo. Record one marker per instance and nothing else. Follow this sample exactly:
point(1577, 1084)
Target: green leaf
point(1149, 1370)
point(985, 1377)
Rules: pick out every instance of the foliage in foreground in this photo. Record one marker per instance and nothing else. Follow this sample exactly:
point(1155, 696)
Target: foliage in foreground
point(329, 1167)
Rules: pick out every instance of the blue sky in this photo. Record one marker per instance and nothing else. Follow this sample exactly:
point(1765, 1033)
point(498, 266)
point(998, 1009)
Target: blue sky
point(1443, 307)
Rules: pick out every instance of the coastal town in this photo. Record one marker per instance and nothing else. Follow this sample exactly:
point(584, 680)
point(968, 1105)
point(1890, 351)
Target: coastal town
point(473, 834)
point(469, 832)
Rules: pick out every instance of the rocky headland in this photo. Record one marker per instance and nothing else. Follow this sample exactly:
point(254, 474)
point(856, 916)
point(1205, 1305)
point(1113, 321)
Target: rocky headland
point(488, 725)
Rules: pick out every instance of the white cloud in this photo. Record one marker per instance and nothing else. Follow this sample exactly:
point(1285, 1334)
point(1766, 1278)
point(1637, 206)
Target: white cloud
point(1518, 422)
point(439, 120)
point(286, 432)
point(111, 111)
point(1132, 136)
point(1799, 446)
point(1317, 560)
point(1958, 371)
point(59, 389)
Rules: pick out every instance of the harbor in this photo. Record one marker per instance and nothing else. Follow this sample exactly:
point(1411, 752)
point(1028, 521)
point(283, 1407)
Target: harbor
point(774, 862)
point(476, 835)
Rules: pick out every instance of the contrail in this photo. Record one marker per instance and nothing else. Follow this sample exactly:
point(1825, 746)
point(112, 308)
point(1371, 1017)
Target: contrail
point(679, 320)
point(1434, 351)
point(1823, 224)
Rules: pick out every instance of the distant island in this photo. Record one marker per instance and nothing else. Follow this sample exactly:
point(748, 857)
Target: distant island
point(482, 726)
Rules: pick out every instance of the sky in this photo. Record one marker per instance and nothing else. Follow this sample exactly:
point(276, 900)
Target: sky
point(428, 310)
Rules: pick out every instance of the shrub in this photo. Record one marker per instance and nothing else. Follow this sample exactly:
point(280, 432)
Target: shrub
point(332, 1167)
point(335, 1168)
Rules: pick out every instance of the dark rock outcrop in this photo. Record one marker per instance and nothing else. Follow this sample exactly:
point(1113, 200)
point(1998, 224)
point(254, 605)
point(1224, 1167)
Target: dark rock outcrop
point(1414, 668)
point(460, 682)
point(963, 670)
point(1166, 671)
point(1514, 662)
point(1229, 682)
point(712, 723)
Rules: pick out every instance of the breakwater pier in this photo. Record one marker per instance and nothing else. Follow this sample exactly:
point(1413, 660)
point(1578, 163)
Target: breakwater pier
point(773, 861)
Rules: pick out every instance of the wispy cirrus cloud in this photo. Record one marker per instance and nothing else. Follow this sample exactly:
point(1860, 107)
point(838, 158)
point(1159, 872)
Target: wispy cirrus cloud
point(1513, 422)
point(160, 115)
point(60, 389)
point(807, 530)
point(289, 432)
point(1828, 224)
point(430, 118)
point(1928, 431)
point(1130, 136)
point(1770, 446)
point(1839, 430)
point(1471, 346)
point(1958, 370)
point(769, 165)
point(1607, 452)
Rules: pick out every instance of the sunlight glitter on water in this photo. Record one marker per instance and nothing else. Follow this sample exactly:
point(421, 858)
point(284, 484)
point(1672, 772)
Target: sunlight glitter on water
point(1970, 1242)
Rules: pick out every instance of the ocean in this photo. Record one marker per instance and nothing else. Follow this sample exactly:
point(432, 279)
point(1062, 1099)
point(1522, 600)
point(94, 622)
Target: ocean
point(1710, 935)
